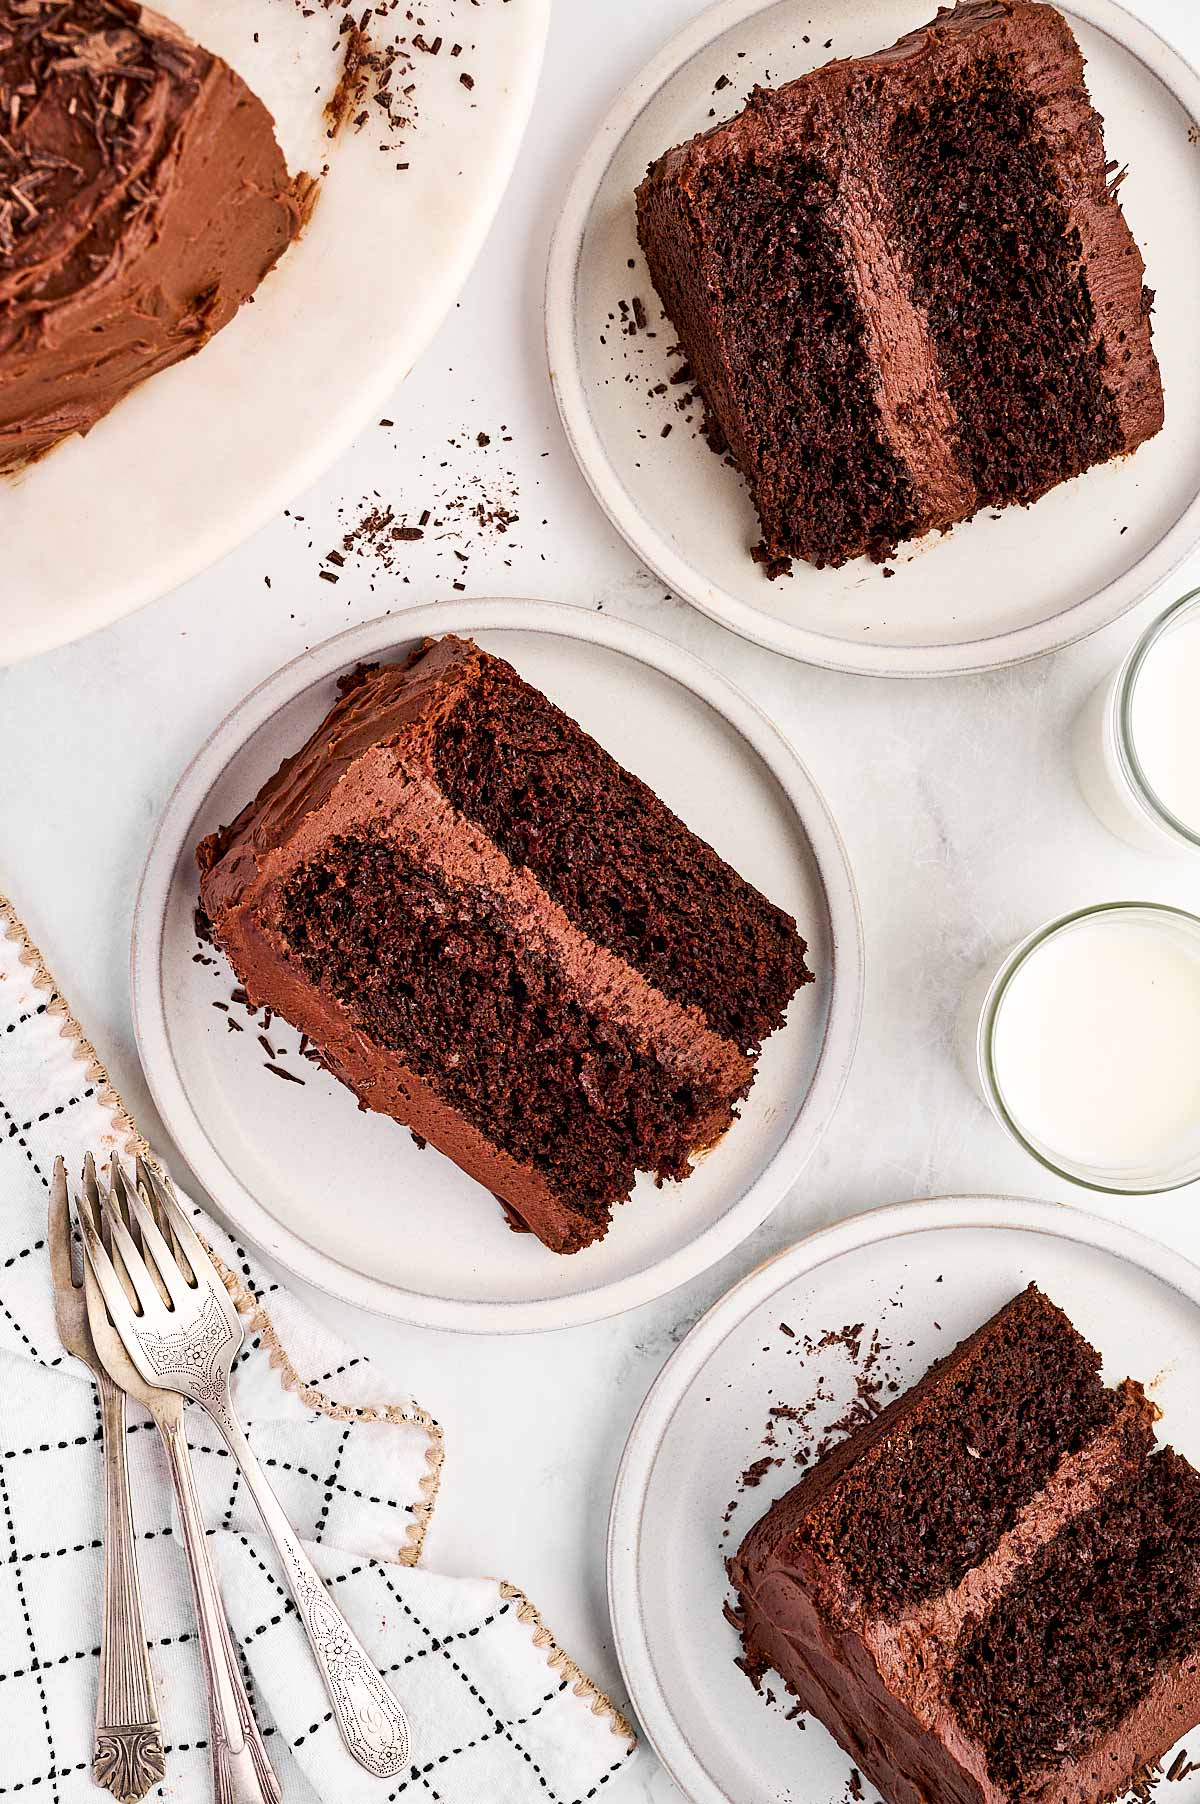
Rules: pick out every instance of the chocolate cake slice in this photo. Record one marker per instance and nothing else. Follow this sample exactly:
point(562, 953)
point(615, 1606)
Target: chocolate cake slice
point(498, 936)
point(142, 199)
point(905, 285)
point(991, 1591)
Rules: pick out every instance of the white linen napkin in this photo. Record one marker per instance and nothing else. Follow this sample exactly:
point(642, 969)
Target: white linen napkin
point(500, 1714)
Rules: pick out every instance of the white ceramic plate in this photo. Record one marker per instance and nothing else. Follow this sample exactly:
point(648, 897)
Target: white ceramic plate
point(346, 1199)
point(922, 1272)
point(993, 591)
point(205, 453)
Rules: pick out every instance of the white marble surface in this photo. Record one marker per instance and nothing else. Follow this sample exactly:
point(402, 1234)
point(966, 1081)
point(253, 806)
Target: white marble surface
point(961, 817)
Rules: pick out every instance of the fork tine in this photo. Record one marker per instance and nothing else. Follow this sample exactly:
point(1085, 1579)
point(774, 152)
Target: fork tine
point(91, 1188)
point(99, 1220)
point(117, 1200)
point(153, 1187)
point(102, 1267)
point(153, 1241)
point(59, 1229)
point(87, 1198)
point(135, 1266)
point(162, 1192)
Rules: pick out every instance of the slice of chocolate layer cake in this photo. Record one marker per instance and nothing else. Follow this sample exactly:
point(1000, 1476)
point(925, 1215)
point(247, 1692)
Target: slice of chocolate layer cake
point(495, 934)
point(991, 1591)
point(905, 285)
point(142, 199)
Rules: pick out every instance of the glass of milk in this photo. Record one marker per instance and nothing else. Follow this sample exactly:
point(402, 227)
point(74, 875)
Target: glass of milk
point(1137, 738)
point(1087, 1047)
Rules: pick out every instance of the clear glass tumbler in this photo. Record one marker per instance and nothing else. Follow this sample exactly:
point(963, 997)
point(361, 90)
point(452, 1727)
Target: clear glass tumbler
point(1085, 1045)
point(1137, 737)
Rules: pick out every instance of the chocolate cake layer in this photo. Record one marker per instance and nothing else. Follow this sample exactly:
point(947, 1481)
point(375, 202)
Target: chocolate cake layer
point(445, 982)
point(142, 199)
point(966, 1449)
point(626, 870)
point(905, 285)
point(1087, 1627)
point(961, 1686)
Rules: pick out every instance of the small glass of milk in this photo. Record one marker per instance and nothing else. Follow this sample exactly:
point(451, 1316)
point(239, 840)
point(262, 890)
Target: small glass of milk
point(1087, 1047)
point(1137, 738)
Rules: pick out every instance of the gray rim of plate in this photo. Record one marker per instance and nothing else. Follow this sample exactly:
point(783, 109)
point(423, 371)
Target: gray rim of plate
point(321, 1269)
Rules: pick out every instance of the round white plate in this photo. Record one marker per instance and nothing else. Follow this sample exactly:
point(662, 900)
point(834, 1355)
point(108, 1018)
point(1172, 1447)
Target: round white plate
point(205, 453)
point(346, 1199)
point(924, 1273)
point(994, 590)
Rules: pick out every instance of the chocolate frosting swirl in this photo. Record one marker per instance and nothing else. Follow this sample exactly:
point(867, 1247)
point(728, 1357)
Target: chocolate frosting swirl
point(143, 197)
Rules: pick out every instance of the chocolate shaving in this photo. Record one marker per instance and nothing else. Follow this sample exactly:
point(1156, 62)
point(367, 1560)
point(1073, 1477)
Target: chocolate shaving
point(104, 53)
point(289, 1077)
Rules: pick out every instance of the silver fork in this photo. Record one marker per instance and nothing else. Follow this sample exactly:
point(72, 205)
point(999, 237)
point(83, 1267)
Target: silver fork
point(242, 1773)
point(127, 1754)
point(184, 1335)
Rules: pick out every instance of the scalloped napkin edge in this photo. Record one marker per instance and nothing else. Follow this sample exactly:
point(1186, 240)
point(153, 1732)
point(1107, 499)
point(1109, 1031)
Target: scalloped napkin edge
point(261, 1326)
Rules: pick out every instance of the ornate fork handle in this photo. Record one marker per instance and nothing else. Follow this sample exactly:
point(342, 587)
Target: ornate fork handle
point(128, 1753)
point(372, 1724)
point(242, 1772)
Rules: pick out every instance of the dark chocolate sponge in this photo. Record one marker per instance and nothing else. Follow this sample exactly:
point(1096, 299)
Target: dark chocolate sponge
point(991, 1591)
point(905, 285)
point(495, 934)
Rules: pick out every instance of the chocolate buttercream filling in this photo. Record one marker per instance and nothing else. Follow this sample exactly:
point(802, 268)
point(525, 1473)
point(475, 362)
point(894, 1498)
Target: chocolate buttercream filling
point(928, 1693)
point(359, 808)
point(1052, 281)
